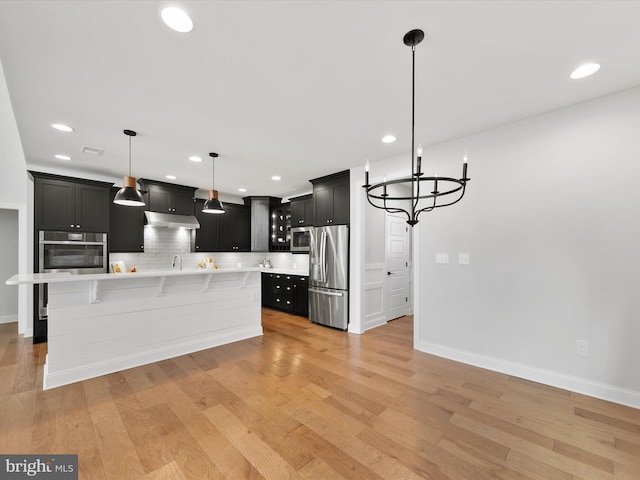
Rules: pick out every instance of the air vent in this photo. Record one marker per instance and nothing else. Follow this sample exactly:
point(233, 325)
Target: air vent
point(92, 150)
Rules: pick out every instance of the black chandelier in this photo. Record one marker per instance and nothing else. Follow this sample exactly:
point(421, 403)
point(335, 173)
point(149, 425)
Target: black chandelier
point(440, 191)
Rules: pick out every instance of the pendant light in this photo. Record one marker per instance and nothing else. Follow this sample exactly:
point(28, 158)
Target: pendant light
point(128, 195)
point(213, 205)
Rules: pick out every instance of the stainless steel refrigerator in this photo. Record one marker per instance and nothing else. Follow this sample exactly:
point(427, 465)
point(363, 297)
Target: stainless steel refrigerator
point(329, 276)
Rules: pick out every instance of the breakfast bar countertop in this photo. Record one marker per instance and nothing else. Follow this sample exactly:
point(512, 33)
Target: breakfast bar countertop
point(36, 278)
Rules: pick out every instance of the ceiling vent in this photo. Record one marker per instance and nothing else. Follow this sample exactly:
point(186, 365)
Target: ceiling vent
point(92, 150)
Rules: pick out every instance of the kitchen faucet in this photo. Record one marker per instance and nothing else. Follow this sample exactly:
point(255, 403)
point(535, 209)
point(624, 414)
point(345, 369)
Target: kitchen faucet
point(177, 257)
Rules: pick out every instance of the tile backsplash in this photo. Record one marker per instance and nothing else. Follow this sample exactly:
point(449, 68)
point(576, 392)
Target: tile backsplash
point(161, 244)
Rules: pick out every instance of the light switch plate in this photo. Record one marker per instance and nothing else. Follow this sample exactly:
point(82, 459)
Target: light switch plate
point(442, 258)
point(464, 258)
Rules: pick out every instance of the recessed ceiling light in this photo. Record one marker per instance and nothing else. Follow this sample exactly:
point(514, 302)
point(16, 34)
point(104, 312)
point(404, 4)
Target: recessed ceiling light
point(62, 157)
point(276, 178)
point(170, 177)
point(195, 159)
point(62, 127)
point(585, 70)
point(388, 139)
point(242, 190)
point(176, 19)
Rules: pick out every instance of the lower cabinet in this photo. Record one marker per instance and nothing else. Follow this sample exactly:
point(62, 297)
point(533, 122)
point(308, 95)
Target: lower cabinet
point(286, 292)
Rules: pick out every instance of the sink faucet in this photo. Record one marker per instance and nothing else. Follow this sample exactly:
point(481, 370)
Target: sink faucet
point(177, 257)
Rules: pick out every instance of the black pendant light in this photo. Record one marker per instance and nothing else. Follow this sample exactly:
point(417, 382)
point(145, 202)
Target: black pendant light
point(213, 205)
point(128, 195)
point(427, 192)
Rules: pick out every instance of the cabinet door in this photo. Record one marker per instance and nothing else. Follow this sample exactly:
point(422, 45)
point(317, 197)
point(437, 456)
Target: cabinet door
point(267, 290)
point(208, 235)
point(182, 203)
point(126, 231)
point(308, 213)
point(92, 208)
point(341, 204)
point(243, 229)
point(55, 204)
point(159, 200)
point(301, 296)
point(297, 214)
point(323, 204)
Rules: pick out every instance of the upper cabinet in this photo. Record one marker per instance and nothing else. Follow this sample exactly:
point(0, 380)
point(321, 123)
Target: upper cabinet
point(126, 231)
point(208, 235)
point(331, 199)
point(280, 234)
point(168, 198)
point(70, 204)
point(302, 211)
point(235, 228)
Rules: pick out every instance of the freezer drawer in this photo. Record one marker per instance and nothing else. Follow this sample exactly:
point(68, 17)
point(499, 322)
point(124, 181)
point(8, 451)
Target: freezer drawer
point(329, 307)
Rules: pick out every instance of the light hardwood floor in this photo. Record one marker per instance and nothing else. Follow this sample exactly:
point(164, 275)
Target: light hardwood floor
point(305, 401)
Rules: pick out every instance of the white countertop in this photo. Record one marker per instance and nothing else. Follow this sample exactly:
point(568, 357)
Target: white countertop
point(34, 278)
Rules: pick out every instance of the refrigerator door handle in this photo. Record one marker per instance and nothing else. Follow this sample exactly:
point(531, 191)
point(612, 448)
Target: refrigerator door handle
point(323, 255)
point(322, 292)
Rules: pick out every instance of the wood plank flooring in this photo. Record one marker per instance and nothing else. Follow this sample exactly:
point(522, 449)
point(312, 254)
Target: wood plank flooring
point(308, 402)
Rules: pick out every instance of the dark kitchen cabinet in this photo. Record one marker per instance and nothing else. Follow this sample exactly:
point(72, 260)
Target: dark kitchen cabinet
point(208, 235)
point(235, 228)
point(280, 234)
point(331, 199)
point(126, 230)
point(168, 198)
point(286, 292)
point(301, 295)
point(70, 204)
point(302, 211)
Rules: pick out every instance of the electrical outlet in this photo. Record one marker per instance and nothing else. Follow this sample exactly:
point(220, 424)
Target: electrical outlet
point(464, 258)
point(442, 258)
point(582, 348)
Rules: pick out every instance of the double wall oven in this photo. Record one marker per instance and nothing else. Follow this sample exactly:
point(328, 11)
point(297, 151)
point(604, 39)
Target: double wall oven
point(73, 252)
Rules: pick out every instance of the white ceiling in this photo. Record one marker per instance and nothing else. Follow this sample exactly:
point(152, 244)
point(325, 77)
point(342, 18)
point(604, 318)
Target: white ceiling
point(300, 89)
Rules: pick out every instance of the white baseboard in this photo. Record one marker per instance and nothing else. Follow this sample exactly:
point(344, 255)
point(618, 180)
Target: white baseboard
point(53, 380)
point(374, 321)
point(584, 386)
point(8, 318)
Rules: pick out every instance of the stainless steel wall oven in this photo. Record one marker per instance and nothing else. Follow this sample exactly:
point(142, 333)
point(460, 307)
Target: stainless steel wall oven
point(73, 252)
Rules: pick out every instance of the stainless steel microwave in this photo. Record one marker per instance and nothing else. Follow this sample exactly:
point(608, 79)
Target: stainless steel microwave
point(300, 239)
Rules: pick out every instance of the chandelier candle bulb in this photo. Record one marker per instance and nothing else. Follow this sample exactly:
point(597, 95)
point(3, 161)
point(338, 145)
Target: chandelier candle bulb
point(464, 166)
point(366, 173)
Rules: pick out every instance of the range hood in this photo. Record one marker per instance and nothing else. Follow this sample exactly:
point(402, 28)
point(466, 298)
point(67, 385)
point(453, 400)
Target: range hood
point(171, 220)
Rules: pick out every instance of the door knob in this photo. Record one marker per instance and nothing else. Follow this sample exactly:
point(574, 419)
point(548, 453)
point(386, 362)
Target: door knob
point(389, 273)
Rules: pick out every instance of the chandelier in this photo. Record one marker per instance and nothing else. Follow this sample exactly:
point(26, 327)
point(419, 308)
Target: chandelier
point(427, 193)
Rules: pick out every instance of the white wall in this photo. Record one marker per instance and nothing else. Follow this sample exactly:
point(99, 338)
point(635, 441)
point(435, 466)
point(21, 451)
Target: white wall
point(14, 196)
point(8, 264)
point(551, 223)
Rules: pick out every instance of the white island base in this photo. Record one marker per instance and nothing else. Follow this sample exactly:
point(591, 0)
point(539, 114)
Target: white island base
point(99, 324)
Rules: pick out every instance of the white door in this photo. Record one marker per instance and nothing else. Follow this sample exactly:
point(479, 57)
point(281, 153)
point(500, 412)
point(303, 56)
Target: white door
point(397, 256)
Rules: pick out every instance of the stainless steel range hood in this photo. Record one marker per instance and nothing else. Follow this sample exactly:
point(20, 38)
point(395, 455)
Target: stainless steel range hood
point(171, 220)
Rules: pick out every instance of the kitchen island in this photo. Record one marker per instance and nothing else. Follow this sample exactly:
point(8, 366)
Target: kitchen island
point(103, 323)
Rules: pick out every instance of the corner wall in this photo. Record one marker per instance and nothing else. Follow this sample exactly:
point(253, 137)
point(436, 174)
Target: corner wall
point(13, 196)
point(550, 220)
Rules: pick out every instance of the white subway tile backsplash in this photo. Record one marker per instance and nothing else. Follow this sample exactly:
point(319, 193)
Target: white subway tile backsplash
point(161, 244)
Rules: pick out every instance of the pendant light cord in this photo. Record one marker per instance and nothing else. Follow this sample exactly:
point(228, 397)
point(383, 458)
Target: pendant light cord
point(129, 155)
point(414, 200)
